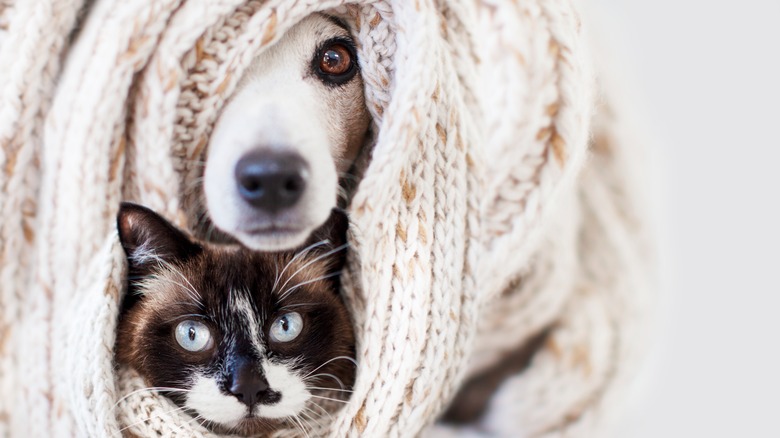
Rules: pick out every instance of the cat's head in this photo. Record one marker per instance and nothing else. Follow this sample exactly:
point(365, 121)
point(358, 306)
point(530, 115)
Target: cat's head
point(243, 340)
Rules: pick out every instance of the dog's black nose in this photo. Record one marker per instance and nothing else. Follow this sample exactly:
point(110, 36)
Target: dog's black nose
point(271, 181)
point(249, 386)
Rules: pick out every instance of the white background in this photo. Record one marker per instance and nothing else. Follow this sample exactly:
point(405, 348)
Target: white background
point(707, 78)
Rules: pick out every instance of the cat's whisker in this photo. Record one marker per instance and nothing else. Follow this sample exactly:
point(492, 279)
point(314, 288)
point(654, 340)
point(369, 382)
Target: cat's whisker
point(329, 389)
point(157, 415)
point(196, 418)
point(297, 421)
point(312, 417)
point(190, 292)
point(298, 427)
point(298, 255)
point(186, 303)
point(331, 360)
point(330, 399)
point(196, 295)
point(164, 265)
point(325, 411)
point(276, 274)
point(196, 315)
point(149, 389)
point(314, 260)
point(202, 422)
point(289, 291)
point(292, 306)
point(306, 379)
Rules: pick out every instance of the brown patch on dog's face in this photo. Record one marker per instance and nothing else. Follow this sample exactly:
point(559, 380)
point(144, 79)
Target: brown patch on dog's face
point(235, 296)
point(311, 49)
point(301, 101)
point(343, 90)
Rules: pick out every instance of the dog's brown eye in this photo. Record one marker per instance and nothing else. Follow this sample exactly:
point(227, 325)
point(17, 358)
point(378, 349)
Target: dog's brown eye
point(336, 60)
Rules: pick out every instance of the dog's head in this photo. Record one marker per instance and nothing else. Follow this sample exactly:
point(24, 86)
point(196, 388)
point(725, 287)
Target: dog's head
point(296, 122)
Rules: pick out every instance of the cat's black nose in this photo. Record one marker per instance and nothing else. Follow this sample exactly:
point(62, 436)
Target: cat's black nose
point(249, 386)
point(271, 181)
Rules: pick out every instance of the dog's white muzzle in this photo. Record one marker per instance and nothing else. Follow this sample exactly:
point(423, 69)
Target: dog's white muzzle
point(270, 179)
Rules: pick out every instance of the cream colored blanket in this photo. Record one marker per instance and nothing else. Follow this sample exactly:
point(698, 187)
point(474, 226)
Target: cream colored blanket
point(481, 219)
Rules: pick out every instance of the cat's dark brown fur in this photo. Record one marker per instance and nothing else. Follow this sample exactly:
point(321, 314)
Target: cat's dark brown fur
point(173, 278)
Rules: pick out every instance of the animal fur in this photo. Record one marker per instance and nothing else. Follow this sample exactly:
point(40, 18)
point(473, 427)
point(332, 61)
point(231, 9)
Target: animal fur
point(231, 292)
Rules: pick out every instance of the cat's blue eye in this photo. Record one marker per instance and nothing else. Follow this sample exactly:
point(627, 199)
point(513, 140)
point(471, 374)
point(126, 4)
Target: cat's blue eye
point(286, 327)
point(193, 336)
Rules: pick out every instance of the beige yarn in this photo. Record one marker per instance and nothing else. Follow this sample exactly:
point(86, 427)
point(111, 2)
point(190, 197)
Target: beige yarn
point(471, 229)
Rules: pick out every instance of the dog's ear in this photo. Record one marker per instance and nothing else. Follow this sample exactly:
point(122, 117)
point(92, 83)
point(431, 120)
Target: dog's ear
point(149, 240)
point(334, 231)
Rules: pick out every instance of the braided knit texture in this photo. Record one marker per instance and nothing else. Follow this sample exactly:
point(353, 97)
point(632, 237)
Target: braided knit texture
point(481, 218)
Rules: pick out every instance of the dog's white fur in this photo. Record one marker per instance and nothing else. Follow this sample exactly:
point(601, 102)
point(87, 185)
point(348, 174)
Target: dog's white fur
point(281, 105)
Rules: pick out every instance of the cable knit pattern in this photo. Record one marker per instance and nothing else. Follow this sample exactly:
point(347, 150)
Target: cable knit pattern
point(474, 227)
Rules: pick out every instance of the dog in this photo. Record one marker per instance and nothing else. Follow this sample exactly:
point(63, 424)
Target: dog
point(295, 124)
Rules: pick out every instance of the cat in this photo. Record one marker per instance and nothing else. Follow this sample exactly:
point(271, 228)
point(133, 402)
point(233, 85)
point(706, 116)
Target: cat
point(244, 341)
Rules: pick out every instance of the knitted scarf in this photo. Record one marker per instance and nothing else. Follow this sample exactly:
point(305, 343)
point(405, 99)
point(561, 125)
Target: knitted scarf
point(478, 224)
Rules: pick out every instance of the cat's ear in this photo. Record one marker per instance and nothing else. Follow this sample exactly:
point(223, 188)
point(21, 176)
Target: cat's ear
point(334, 230)
point(149, 239)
